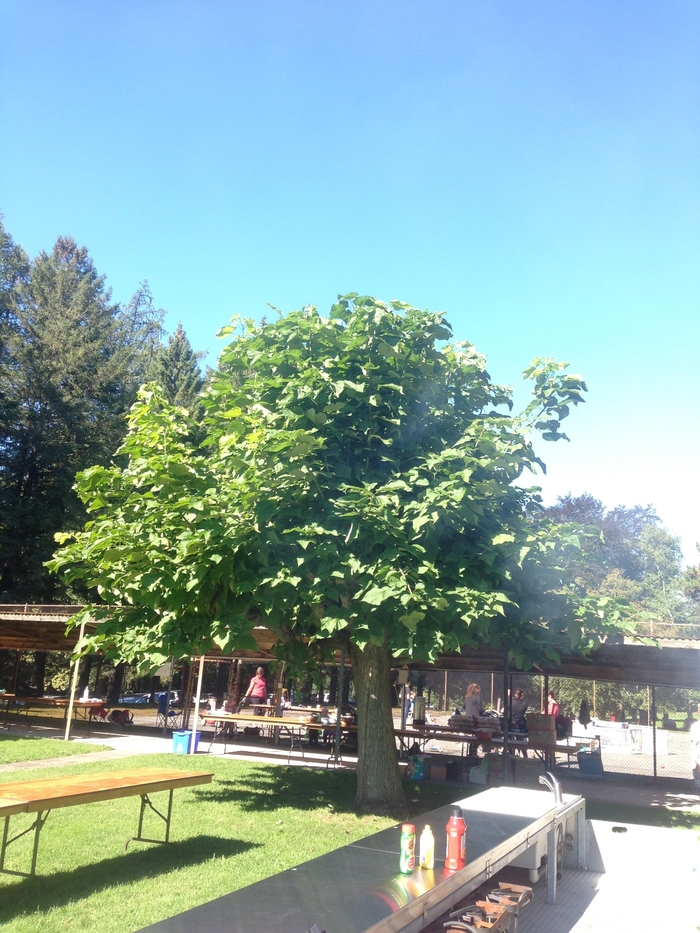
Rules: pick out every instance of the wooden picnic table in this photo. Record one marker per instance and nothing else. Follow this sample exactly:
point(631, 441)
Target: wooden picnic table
point(293, 728)
point(24, 705)
point(421, 736)
point(43, 796)
point(424, 734)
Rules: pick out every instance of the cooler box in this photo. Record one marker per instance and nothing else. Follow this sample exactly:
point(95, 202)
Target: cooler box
point(181, 742)
point(590, 763)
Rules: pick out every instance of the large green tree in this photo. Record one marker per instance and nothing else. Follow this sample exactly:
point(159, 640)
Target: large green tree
point(356, 490)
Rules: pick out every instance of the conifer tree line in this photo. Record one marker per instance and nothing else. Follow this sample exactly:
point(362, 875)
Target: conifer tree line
point(71, 362)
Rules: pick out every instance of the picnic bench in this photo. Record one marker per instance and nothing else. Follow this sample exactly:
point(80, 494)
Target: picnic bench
point(517, 742)
point(23, 706)
point(43, 796)
point(294, 729)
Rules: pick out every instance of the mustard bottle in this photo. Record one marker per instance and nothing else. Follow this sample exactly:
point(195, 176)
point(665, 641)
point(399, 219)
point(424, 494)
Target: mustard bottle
point(427, 848)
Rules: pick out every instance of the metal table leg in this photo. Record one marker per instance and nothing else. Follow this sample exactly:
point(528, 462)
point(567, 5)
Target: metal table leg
point(37, 826)
point(145, 802)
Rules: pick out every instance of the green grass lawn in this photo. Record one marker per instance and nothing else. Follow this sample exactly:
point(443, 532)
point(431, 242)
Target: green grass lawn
point(13, 749)
point(253, 821)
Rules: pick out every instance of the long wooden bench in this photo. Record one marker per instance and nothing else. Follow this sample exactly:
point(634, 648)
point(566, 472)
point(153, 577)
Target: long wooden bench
point(41, 797)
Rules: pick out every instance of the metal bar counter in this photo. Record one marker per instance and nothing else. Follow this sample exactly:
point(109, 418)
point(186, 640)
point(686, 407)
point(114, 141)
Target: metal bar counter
point(358, 888)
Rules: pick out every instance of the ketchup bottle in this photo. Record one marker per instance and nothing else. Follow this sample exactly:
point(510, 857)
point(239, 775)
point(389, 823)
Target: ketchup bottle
point(456, 856)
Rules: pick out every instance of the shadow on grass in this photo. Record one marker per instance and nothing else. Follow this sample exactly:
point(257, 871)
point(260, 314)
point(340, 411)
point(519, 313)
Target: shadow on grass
point(57, 890)
point(19, 738)
point(643, 816)
point(268, 789)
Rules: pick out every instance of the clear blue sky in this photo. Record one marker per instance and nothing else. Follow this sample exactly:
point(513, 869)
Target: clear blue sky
point(532, 169)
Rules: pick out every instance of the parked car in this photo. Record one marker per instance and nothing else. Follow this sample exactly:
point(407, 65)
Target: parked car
point(174, 697)
point(132, 699)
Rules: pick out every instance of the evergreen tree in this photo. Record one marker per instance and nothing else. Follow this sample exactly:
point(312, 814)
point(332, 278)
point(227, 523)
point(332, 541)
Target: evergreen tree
point(175, 367)
point(72, 362)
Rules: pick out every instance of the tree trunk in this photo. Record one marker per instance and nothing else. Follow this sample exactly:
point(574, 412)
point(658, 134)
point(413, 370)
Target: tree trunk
point(222, 676)
point(84, 672)
point(333, 688)
point(39, 672)
point(379, 788)
point(115, 679)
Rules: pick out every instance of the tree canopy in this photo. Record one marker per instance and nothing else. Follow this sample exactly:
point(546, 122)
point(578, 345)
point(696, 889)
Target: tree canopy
point(634, 558)
point(356, 489)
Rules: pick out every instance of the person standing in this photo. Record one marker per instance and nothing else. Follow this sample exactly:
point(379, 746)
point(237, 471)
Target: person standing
point(552, 705)
point(256, 694)
point(518, 707)
point(695, 749)
point(472, 701)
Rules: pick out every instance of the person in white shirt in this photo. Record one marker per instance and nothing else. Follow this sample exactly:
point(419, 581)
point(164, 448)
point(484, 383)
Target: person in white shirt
point(695, 749)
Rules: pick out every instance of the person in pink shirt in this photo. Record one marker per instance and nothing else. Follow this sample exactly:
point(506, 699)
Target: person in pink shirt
point(256, 694)
point(552, 705)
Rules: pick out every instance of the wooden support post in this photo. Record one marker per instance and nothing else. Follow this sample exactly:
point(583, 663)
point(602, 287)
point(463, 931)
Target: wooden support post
point(506, 707)
point(74, 684)
point(195, 717)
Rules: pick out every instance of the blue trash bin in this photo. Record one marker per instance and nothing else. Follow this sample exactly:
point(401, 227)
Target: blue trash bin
point(181, 742)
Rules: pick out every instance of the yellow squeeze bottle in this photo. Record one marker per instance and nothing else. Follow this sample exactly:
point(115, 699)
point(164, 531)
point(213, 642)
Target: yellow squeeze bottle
point(427, 849)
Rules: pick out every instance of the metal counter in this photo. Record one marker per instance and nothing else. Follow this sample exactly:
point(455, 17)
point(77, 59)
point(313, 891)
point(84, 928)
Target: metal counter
point(358, 888)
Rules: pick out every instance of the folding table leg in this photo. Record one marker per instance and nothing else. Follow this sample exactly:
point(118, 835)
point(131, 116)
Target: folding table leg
point(37, 826)
point(4, 842)
point(145, 802)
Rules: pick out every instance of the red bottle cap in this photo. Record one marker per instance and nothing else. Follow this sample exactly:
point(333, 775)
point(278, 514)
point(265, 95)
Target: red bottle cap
point(408, 828)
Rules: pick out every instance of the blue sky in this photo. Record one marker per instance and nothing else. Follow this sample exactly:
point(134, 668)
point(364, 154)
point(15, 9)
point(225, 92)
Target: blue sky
point(532, 169)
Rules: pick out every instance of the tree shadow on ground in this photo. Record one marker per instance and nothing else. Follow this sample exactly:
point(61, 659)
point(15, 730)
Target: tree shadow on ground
point(61, 888)
point(269, 788)
point(26, 737)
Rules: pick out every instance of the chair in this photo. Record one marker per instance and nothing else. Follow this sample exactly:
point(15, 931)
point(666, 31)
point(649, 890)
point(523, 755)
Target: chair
point(165, 718)
point(99, 713)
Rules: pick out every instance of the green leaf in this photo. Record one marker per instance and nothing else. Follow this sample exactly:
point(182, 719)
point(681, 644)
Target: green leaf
point(502, 538)
point(376, 595)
